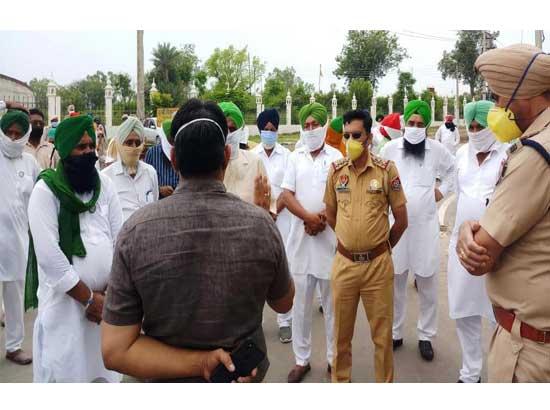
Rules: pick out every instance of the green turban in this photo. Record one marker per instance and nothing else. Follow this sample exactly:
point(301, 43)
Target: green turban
point(337, 124)
point(232, 111)
point(15, 117)
point(70, 131)
point(477, 110)
point(167, 127)
point(418, 107)
point(315, 110)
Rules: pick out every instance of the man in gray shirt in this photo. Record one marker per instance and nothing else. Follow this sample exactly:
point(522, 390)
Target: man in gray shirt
point(193, 271)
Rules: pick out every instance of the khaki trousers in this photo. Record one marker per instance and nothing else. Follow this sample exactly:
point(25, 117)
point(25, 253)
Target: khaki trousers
point(513, 359)
point(373, 283)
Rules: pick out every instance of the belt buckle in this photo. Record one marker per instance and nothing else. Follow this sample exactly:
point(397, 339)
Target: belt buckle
point(544, 338)
point(362, 257)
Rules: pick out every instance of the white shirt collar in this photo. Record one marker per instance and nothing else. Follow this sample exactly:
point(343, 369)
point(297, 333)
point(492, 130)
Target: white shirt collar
point(119, 169)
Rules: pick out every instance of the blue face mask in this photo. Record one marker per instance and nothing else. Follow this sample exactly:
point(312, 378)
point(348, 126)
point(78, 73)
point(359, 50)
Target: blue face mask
point(269, 138)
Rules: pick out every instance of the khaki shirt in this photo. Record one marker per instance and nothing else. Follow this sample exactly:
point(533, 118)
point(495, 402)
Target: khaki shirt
point(518, 218)
point(42, 154)
point(362, 199)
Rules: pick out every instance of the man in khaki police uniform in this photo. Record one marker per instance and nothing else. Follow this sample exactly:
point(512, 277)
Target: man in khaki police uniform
point(511, 242)
point(360, 189)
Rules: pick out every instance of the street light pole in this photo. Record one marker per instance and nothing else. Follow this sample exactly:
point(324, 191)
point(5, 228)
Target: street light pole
point(140, 77)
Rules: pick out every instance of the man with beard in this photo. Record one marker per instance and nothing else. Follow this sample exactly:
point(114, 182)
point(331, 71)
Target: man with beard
point(419, 161)
point(135, 181)
point(43, 151)
point(448, 134)
point(74, 218)
point(18, 171)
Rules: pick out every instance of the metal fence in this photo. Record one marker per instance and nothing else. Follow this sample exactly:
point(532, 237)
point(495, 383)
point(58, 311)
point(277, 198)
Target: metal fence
point(27, 101)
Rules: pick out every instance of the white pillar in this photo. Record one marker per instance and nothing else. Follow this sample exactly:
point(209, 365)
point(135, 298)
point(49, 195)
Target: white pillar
point(153, 89)
point(445, 107)
point(288, 108)
point(373, 107)
point(52, 101)
point(432, 104)
point(457, 110)
point(354, 102)
point(58, 107)
point(312, 99)
point(258, 104)
point(108, 104)
point(390, 104)
point(405, 100)
point(464, 106)
point(194, 93)
point(334, 106)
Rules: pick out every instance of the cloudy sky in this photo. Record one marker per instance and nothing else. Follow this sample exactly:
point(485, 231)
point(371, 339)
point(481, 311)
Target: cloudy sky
point(71, 55)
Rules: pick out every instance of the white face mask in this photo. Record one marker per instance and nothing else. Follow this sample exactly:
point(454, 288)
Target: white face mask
point(13, 149)
point(313, 139)
point(415, 135)
point(481, 141)
point(233, 139)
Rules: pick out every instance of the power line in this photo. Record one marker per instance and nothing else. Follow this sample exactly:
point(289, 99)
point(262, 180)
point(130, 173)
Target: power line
point(430, 35)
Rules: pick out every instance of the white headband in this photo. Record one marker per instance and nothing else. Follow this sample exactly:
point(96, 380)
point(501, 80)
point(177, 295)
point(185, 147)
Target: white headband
point(197, 120)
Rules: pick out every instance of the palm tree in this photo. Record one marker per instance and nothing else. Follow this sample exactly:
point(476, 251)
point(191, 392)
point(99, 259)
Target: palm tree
point(165, 58)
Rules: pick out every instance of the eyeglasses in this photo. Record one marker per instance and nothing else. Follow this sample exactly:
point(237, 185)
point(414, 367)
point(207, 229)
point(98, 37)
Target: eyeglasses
point(354, 135)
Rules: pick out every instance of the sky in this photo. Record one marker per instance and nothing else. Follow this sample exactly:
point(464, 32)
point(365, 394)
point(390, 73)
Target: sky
point(71, 55)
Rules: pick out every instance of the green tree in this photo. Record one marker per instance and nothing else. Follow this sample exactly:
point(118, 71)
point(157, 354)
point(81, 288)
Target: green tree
point(405, 84)
point(40, 90)
point(122, 87)
point(173, 70)
point(369, 54)
point(363, 92)
point(278, 83)
point(459, 63)
point(426, 95)
point(234, 70)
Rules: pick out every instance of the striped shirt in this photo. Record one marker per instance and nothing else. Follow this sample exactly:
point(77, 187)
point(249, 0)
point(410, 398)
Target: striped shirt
point(166, 174)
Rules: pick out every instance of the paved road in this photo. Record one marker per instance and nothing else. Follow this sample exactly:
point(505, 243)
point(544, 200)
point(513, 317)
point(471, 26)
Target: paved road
point(409, 366)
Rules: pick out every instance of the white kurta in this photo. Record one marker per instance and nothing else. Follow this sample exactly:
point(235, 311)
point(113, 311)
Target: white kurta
point(66, 345)
point(307, 178)
point(449, 139)
point(275, 166)
point(134, 193)
point(241, 173)
point(17, 176)
point(418, 249)
point(474, 186)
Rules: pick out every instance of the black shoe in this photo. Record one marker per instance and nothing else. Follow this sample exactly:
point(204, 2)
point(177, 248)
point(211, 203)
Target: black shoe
point(426, 350)
point(397, 343)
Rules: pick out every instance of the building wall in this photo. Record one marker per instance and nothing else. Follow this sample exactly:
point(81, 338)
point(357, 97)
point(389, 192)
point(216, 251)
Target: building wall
point(13, 89)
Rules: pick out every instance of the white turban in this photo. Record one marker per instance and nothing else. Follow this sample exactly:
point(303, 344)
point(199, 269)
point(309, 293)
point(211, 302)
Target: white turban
point(131, 124)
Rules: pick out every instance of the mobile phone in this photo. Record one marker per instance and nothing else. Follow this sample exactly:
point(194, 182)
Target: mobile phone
point(245, 358)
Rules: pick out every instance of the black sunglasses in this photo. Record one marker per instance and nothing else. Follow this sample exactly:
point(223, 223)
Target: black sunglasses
point(354, 135)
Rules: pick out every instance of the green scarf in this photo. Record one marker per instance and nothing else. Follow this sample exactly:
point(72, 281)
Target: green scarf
point(68, 219)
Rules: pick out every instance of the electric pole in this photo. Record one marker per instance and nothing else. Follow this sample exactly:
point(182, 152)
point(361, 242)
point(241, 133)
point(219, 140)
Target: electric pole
point(140, 77)
point(539, 38)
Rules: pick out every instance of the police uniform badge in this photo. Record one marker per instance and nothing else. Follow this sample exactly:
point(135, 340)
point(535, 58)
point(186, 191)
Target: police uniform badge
point(503, 167)
point(374, 186)
point(395, 184)
point(343, 183)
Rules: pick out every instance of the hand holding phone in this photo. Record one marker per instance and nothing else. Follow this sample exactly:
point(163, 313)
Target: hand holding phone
point(245, 359)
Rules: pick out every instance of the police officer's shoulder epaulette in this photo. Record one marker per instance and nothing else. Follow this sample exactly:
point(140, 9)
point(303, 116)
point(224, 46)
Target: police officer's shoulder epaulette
point(341, 163)
point(380, 162)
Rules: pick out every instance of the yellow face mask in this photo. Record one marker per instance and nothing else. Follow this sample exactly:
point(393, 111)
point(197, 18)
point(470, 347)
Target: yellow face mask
point(354, 149)
point(501, 122)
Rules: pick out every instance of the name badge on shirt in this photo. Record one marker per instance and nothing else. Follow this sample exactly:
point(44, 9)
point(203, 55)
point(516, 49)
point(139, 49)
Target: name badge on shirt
point(374, 187)
point(343, 185)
